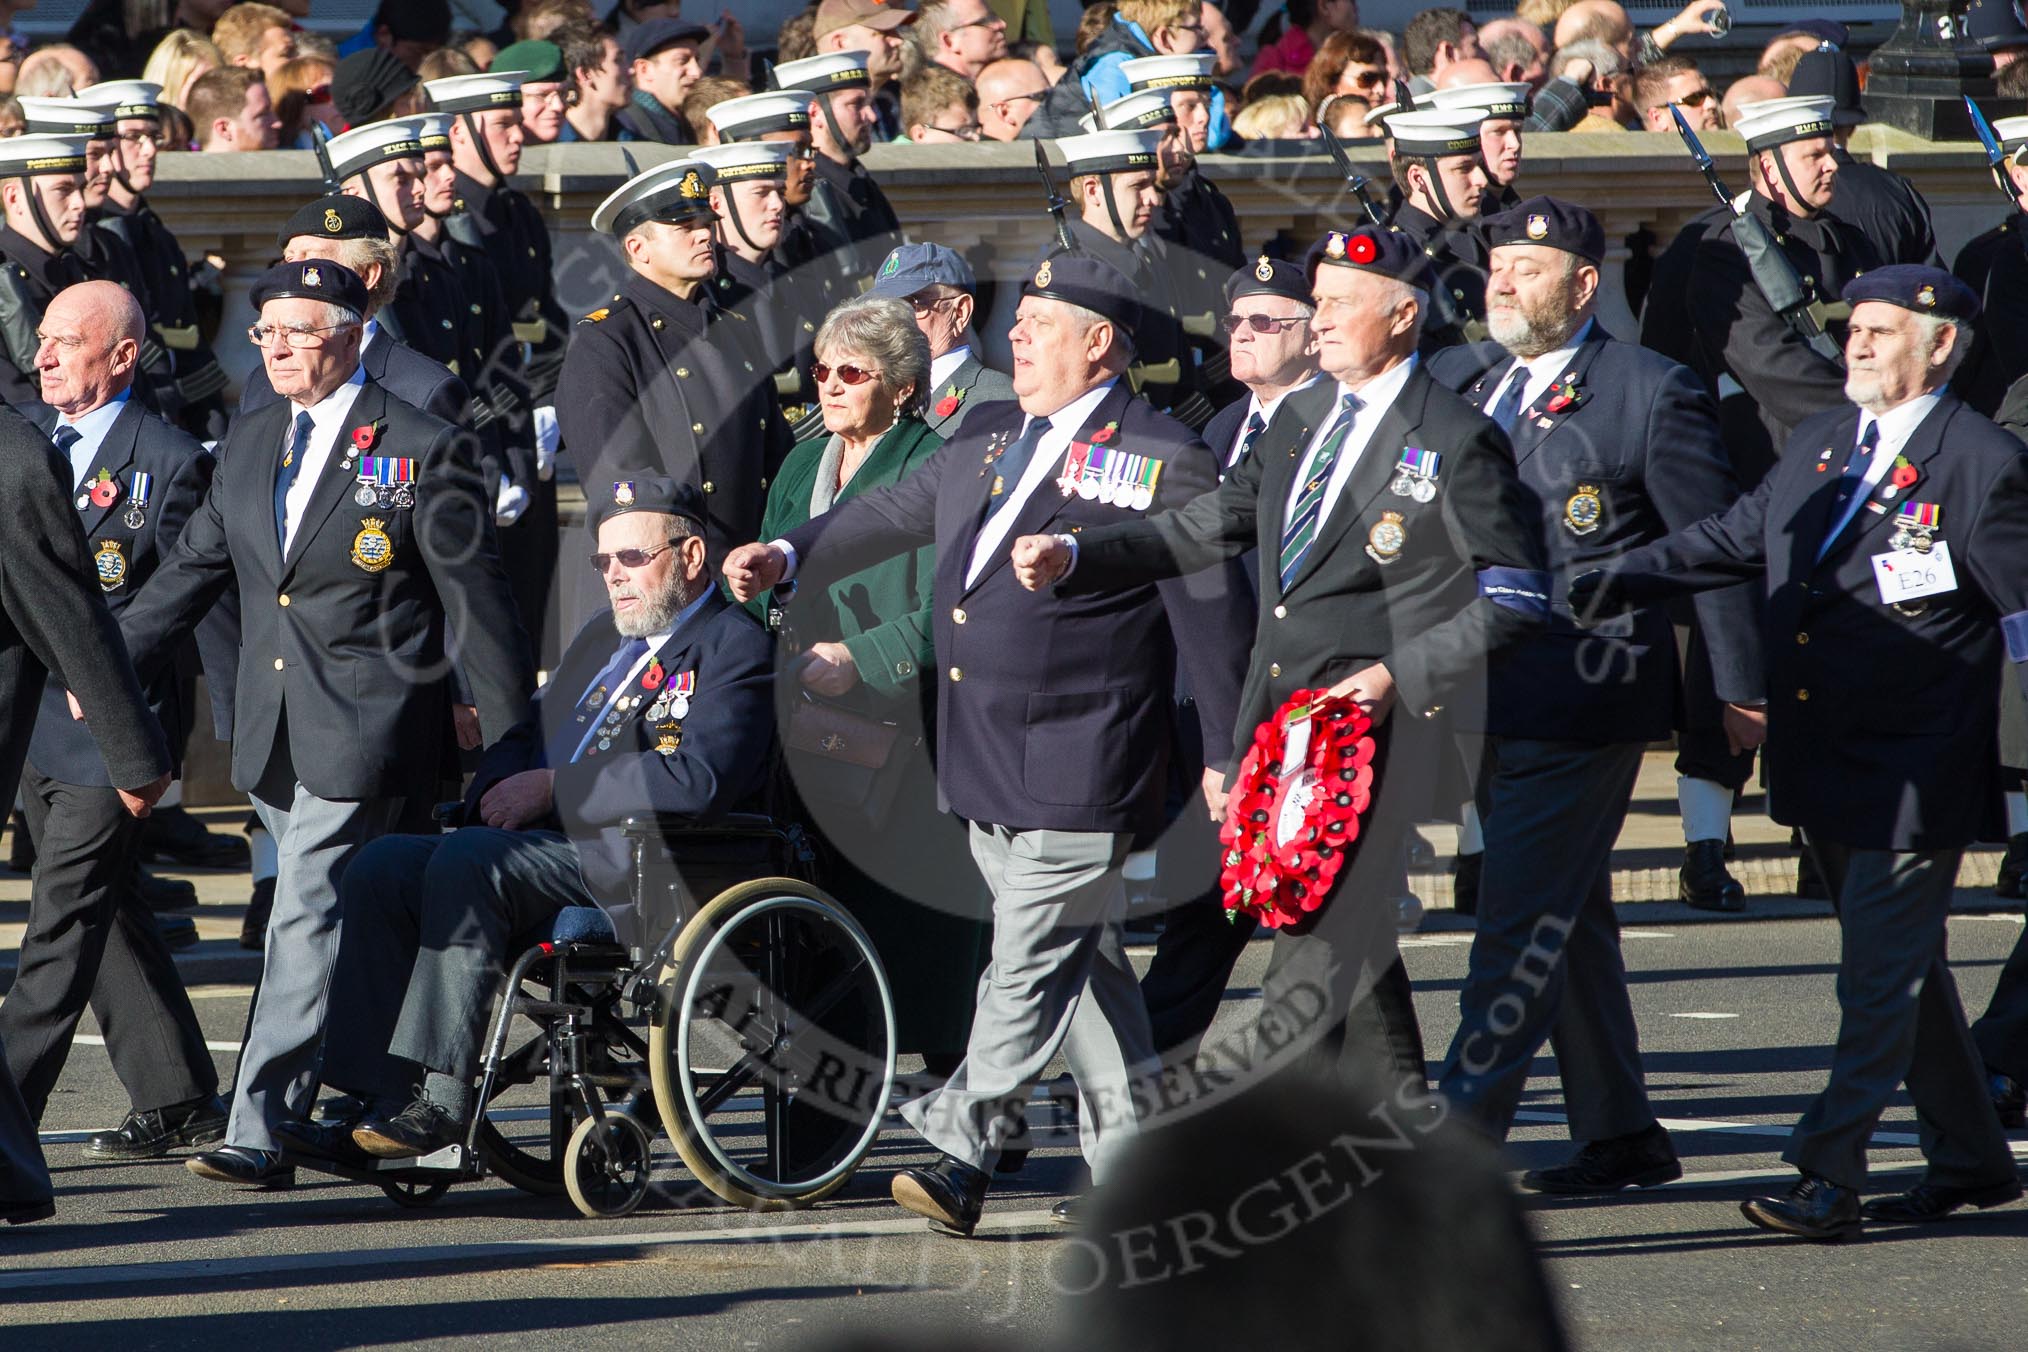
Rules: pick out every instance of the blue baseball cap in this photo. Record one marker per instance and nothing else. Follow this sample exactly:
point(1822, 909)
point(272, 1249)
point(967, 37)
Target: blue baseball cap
point(909, 268)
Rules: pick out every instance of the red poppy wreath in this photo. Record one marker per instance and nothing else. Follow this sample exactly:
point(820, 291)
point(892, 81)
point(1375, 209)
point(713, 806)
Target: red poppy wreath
point(1295, 808)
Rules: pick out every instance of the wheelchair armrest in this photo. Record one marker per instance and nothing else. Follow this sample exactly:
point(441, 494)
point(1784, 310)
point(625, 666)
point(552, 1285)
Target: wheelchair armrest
point(657, 825)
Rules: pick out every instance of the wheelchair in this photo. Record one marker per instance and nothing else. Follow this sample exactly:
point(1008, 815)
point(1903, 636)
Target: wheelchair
point(758, 1034)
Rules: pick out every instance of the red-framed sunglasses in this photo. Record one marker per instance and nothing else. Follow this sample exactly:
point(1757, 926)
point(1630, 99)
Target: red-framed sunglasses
point(850, 374)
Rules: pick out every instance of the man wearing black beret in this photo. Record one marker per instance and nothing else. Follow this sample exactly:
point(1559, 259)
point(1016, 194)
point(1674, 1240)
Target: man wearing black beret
point(1398, 552)
point(1616, 446)
point(1892, 541)
point(1053, 714)
point(357, 536)
point(660, 705)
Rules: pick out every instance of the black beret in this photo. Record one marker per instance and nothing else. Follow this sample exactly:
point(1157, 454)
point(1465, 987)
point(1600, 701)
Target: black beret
point(1925, 290)
point(652, 36)
point(367, 81)
point(648, 493)
point(1550, 222)
point(311, 279)
point(335, 216)
point(1387, 252)
point(1268, 277)
point(1092, 283)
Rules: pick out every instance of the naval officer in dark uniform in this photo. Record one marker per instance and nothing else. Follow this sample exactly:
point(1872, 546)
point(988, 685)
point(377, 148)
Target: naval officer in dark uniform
point(848, 213)
point(42, 198)
point(1053, 713)
point(1995, 266)
point(1879, 203)
point(1893, 543)
point(1398, 550)
point(1617, 446)
point(1441, 175)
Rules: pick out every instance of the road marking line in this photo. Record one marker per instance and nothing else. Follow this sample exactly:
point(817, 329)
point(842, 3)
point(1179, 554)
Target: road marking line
point(1703, 1014)
point(95, 1040)
point(1693, 1124)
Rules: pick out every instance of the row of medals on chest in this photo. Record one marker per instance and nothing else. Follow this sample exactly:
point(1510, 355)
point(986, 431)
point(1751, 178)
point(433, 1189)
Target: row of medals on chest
point(671, 700)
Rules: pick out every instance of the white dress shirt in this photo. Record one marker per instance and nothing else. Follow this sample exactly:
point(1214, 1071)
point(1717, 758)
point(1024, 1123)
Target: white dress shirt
point(327, 420)
point(1543, 371)
point(1375, 398)
point(1897, 425)
point(91, 434)
point(1044, 466)
point(1267, 415)
point(942, 368)
point(633, 673)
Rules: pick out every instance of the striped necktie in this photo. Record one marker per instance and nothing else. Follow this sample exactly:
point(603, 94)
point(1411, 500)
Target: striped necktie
point(1254, 427)
point(1301, 532)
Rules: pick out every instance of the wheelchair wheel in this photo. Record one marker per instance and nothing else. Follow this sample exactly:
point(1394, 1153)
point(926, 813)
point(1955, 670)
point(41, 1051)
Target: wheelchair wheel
point(772, 1047)
point(608, 1164)
point(415, 1194)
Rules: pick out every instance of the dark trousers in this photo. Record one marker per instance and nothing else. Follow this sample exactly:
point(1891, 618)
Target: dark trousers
point(1546, 963)
point(2002, 1031)
point(431, 923)
point(92, 940)
point(1899, 1022)
point(24, 1174)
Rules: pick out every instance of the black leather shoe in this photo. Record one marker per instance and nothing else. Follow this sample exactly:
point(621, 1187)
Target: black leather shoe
point(1934, 1201)
point(243, 1165)
point(1068, 1212)
point(1704, 882)
point(418, 1129)
point(164, 894)
point(150, 1135)
point(1815, 1209)
point(328, 1142)
point(170, 835)
point(253, 930)
point(20, 1213)
point(20, 849)
point(951, 1193)
point(178, 931)
point(1465, 883)
point(2010, 1099)
point(2013, 880)
point(1010, 1161)
point(1640, 1160)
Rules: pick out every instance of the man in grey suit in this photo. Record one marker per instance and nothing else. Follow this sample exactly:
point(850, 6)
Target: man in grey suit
point(52, 620)
point(358, 535)
point(941, 287)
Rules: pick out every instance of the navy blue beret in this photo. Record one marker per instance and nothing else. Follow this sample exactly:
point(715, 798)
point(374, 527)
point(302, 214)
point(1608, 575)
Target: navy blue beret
point(1092, 283)
point(334, 216)
point(1549, 222)
point(311, 279)
point(1387, 252)
point(1925, 290)
point(1269, 277)
point(645, 493)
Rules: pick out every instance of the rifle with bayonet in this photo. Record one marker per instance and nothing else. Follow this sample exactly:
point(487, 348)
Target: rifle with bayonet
point(1356, 183)
point(1996, 160)
point(1055, 199)
point(1774, 273)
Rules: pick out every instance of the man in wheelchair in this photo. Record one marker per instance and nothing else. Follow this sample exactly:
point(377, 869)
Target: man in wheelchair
point(663, 705)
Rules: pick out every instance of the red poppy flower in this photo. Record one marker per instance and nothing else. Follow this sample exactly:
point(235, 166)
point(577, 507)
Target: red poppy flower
point(947, 405)
point(1361, 249)
point(651, 679)
point(1103, 435)
point(364, 437)
point(105, 493)
point(1904, 475)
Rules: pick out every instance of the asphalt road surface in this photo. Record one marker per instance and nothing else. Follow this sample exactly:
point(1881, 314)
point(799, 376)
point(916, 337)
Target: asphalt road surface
point(1736, 1020)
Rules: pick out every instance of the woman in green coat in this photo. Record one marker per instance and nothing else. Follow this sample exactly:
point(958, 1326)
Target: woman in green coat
point(856, 714)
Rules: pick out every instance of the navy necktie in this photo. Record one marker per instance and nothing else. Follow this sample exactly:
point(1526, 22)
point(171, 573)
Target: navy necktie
point(1013, 465)
point(569, 736)
point(287, 472)
point(1508, 406)
point(1851, 483)
point(1254, 427)
point(66, 439)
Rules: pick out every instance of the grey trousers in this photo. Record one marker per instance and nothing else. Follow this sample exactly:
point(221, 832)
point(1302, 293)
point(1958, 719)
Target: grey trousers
point(1059, 978)
point(1546, 963)
point(430, 927)
point(1899, 1022)
point(315, 839)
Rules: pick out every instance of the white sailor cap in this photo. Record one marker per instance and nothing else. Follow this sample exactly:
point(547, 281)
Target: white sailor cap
point(1772, 122)
point(26, 156)
point(822, 74)
point(1192, 70)
point(66, 117)
point(1135, 112)
point(743, 161)
point(1435, 131)
point(356, 151)
point(2013, 134)
point(476, 93)
point(675, 191)
point(433, 130)
point(1109, 152)
point(126, 98)
point(1501, 100)
point(755, 115)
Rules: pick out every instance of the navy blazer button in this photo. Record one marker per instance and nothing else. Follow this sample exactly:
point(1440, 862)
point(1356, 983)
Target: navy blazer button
point(282, 600)
point(958, 615)
point(278, 664)
point(1802, 638)
point(957, 674)
point(1803, 695)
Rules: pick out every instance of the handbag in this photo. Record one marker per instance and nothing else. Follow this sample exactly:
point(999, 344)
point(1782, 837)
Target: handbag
point(844, 763)
point(836, 733)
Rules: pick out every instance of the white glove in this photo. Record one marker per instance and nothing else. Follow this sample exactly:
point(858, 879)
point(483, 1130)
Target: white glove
point(511, 503)
point(547, 437)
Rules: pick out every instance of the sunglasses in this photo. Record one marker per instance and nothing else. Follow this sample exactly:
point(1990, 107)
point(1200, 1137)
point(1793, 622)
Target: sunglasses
point(1697, 98)
point(1367, 79)
point(1258, 323)
point(630, 558)
point(851, 375)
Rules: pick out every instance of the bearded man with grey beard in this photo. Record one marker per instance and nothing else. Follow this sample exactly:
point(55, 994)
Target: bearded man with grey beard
point(1619, 447)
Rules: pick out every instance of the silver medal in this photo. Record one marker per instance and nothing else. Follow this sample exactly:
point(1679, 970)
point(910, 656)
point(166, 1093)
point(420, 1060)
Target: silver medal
point(679, 707)
point(84, 500)
point(135, 518)
point(365, 495)
point(1423, 490)
point(1401, 486)
point(404, 496)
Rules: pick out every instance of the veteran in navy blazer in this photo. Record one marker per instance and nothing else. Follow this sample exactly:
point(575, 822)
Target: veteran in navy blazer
point(1617, 446)
point(91, 938)
point(1398, 551)
point(1892, 538)
point(661, 705)
point(361, 542)
point(1053, 713)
